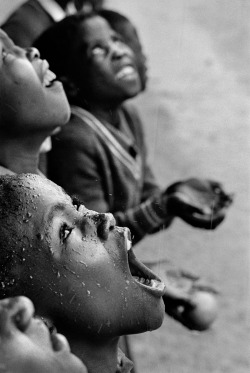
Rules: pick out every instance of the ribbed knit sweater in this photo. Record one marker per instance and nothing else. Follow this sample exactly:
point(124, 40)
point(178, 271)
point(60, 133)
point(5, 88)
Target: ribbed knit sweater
point(106, 168)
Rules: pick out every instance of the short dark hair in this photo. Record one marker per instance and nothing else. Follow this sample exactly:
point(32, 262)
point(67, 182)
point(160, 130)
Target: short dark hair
point(13, 240)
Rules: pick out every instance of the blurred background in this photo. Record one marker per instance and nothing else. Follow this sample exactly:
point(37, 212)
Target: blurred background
point(197, 121)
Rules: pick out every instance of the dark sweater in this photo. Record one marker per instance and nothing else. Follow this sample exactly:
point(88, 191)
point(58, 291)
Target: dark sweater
point(106, 168)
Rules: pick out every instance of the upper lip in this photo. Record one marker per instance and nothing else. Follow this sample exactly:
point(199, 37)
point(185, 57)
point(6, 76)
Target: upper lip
point(47, 75)
point(123, 64)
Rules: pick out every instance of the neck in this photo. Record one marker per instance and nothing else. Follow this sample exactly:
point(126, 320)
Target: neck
point(98, 356)
point(109, 114)
point(20, 155)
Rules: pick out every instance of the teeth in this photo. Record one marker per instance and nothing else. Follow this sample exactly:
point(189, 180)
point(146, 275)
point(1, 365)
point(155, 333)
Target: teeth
point(127, 70)
point(143, 280)
point(128, 244)
point(48, 78)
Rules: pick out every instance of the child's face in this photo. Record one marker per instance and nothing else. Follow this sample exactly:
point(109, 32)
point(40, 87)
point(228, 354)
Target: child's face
point(78, 266)
point(29, 98)
point(26, 344)
point(110, 69)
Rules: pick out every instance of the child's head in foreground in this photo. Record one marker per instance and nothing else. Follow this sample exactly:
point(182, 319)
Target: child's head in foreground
point(30, 97)
point(74, 264)
point(97, 67)
point(26, 345)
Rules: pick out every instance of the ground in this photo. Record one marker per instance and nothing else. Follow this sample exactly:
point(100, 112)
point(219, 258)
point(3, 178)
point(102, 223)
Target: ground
point(196, 112)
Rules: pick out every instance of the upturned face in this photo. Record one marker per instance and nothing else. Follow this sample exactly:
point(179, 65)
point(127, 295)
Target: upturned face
point(26, 344)
point(109, 64)
point(79, 267)
point(30, 96)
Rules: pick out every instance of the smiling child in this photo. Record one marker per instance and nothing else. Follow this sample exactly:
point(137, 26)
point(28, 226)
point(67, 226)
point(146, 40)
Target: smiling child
point(77, 267)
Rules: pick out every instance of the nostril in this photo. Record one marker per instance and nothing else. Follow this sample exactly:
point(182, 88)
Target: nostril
point(32, 53)
point(105, 224)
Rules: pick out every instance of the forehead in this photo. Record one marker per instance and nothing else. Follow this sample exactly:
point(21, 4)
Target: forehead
point(39, 188)
point(5, 40)
point(94, 29)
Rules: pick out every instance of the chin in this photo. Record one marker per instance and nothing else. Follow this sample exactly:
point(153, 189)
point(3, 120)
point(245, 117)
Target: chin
point(151, 319)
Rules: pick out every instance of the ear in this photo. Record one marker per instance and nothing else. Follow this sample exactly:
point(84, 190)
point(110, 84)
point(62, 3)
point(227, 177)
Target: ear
point(70, 87)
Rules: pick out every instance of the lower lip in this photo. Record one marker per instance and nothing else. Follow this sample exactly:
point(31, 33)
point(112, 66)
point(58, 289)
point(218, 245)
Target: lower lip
point(156, 291)
point(56, 85)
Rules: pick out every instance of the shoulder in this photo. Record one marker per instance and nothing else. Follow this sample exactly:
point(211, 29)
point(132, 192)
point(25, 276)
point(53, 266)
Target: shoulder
point(77, 133)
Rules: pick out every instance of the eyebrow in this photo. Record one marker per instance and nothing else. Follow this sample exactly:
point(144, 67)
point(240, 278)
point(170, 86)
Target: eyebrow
point(56, 208)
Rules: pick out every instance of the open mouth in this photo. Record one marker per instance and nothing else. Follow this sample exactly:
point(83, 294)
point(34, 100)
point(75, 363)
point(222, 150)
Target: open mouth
point(142, 274)
point(49, 78)
point(126, 72)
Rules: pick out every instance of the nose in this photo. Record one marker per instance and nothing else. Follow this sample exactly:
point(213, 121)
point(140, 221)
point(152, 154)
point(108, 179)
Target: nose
point(118, 49)
point(105, 223)
point(32, 54)
point(18, 310)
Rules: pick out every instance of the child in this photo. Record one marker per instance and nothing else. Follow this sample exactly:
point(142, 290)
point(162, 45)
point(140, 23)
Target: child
point(100, 154)
point(26, 344)
point(33, 105)
point(129, 34)
point(77, 267)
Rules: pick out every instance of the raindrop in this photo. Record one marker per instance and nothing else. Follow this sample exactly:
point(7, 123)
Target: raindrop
point(58, 274)
point(83, 284)
point(88, 292)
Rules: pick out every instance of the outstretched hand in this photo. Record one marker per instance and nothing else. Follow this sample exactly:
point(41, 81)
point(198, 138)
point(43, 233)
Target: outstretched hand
point(200, 203)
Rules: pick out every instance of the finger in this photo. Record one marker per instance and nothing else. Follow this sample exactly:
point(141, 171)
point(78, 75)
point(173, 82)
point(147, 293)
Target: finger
point(205, 222)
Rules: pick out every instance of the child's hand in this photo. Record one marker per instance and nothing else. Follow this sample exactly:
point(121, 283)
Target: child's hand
point(195, 309)
point(200, 203)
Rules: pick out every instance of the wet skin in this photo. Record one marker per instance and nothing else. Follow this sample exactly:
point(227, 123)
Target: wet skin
point(109, 64)
point(26, 344)
point(78, 266)
point(30, 97)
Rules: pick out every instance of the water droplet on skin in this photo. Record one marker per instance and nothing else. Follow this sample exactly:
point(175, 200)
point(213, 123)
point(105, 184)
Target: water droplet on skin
point(71, 300)
point(31, 277)
point(40, 236)
point(83, 263)
point(83, 284)
point(58, 274)
point(88, 292)
point(127, 282)
point(99, 285)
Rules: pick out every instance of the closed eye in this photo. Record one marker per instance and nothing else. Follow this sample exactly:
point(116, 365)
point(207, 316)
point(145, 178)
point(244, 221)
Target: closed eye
point(4, 54)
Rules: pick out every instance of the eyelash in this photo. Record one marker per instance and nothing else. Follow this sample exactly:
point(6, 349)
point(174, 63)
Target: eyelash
point(4, 54)
point(76, 203)
point(65, 232)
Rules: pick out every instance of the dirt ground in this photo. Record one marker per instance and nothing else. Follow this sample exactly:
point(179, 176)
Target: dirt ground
point(196, 112)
